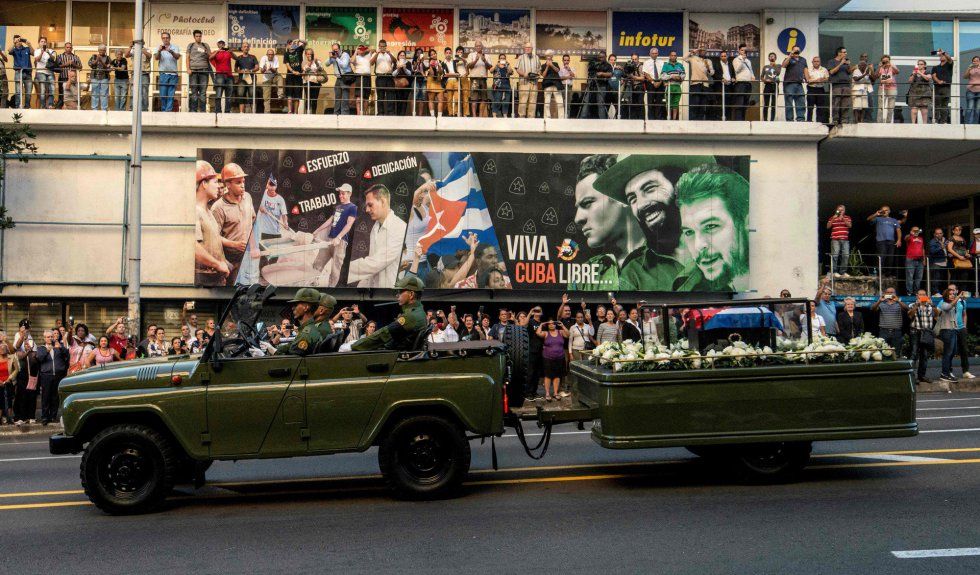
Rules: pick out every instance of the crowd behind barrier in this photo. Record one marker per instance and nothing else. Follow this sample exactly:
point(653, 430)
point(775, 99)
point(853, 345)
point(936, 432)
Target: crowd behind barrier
point(374, 81)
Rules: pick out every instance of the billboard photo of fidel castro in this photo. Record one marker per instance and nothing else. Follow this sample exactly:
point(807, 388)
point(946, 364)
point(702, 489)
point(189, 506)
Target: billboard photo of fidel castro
point(646, 183)
point(714, 206)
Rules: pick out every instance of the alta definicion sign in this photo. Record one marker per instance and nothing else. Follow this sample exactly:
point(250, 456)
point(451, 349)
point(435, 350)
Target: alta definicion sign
point(640, 31)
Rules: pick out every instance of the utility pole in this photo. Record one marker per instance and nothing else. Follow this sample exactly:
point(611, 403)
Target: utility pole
point(134, 218)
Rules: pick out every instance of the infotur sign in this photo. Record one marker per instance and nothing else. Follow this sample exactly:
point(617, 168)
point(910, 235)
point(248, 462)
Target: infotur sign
point(640, 31)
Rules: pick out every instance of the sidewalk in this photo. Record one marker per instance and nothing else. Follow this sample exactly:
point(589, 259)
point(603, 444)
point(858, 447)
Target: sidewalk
point(28, 430)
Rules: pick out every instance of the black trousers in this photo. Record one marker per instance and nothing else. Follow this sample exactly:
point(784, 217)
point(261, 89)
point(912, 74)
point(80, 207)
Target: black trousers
point(48, 385)
point(740, 100)
point(699, 102)
point(655, 104)
point(534, 374)
point(921, 353)
point(386, 95)
point(25, 402)
point(886, 249)
point(817, 105)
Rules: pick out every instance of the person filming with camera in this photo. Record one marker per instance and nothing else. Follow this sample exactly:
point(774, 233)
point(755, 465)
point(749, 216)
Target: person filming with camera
point(888, 236)
point(890, 310)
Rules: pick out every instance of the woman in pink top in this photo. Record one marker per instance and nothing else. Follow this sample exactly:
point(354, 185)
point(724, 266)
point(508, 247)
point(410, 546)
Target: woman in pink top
point(889, 89)
point(103, 354)
point(972, 107)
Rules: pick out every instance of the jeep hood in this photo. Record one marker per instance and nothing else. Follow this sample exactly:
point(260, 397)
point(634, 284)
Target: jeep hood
point(145, 373)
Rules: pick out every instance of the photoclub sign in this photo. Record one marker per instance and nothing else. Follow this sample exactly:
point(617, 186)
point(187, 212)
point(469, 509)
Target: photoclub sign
point(180, 21)
point(488, 220)
point(640, 31)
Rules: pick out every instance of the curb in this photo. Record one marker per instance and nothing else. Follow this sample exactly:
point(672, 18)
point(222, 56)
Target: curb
point(29, 430)
point(948, 387)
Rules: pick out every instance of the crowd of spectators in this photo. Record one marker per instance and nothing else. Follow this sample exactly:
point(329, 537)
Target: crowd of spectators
point(461, 82)
point(949, 254)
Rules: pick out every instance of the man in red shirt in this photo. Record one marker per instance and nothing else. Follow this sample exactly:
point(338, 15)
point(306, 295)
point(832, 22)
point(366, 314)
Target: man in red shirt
point(117, 336)
point(839, 225)
point(223, 79)
point(914, 260)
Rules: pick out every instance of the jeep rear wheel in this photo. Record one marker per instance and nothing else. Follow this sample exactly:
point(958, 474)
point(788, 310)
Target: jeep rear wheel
point(129, 469)
point(424, 457)
point(770, 462)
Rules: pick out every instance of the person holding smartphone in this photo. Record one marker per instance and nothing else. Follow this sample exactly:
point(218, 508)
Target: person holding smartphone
point(923, 315)
point(554, 335)
point(890, 310)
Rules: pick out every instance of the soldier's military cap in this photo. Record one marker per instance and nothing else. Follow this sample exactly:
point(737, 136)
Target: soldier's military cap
point(328, 301)
point(410, 283)
point(307, 295)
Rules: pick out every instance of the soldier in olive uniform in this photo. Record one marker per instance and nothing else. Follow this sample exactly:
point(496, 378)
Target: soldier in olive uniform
point(401, 333)
point(306, 302)
point(321, 317)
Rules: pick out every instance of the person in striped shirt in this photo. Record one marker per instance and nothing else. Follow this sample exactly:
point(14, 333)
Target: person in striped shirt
point(839, 225)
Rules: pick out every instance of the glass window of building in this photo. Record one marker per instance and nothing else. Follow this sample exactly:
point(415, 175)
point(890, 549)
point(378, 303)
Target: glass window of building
point(122, 17)
point(858, 36)
point(919, 37)
point(969, 49)
point(89, 23)
point(33, 19)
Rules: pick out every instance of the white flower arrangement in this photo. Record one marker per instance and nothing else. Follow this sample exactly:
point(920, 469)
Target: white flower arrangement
point(636, 356)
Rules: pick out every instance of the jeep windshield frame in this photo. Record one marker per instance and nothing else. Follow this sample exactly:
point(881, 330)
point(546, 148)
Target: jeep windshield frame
point(240, 319)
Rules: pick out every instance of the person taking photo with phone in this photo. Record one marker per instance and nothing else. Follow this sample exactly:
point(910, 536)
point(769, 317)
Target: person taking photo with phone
point(923, 315)
point(890, 310)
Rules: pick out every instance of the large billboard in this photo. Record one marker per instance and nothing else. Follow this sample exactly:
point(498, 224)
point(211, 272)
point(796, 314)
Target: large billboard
point(715, 33)
point(501, 31)
point(639, 32)
point(567, 32)
point(478, 220)
point(347, 26)
point(407, 28)
point(263, 26)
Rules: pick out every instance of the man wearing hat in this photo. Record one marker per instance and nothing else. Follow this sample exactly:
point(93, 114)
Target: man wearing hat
point(305, 303)
point(646, 184)
point(321, 317)
point(210, 267)
point(273, 215)
point(235, 214)
point(336, 232)
point(401, 333)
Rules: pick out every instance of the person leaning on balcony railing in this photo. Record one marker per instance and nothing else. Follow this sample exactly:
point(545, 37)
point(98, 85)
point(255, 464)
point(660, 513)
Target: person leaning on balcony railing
point(144, 72)
point(942, 77)
point(920, 93)
point(701, 72)
point(887, 90)
point(246, 65)
point(817, 101)
point(67, 60)
point(269, 67)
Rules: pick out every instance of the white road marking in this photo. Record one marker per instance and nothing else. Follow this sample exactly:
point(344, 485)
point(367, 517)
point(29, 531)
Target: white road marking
point(944, 400)
point(948, 408)
point(40, 458)
point(926, 553)
point(890, 457)
point(947, 417)
point(949, 430)
point(14, 443)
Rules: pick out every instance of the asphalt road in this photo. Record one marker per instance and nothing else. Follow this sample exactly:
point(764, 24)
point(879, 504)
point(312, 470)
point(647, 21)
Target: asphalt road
point(583, 509)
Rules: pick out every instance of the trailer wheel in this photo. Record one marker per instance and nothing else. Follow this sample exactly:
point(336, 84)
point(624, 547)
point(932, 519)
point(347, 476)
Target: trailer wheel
point(424, 457)
point(129, 469)
point(770, 462)
point(515, 337)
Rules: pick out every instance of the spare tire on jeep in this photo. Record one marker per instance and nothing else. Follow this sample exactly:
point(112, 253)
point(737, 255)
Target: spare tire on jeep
point(515, 337)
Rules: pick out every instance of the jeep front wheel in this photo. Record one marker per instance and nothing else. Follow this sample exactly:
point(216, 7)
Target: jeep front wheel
point(129, 469)
point(424, 457)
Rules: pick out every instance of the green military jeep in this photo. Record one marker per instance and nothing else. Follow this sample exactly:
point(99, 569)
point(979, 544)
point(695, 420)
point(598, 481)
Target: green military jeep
point(147, 425)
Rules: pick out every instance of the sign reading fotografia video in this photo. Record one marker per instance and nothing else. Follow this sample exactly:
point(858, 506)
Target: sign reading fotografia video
point(475, 220)
point(715, 33)
point(638, 32)
point(180, 21)
point(262, 26)
point(501, 31)
point(408, 28)
point(567, 32)
point(349, 27)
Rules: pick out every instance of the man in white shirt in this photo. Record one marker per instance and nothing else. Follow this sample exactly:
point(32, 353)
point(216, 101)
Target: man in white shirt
point(654, 87)
point(272, 214)
point(744, 82)
point(44, 77)
point(384, 65)
point(817, 100)
point(269, 66)
point(528, 69)
point(380, 267)
point(477, 66)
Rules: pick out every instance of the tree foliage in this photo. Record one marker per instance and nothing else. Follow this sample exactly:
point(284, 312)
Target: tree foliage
point(15, 142)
